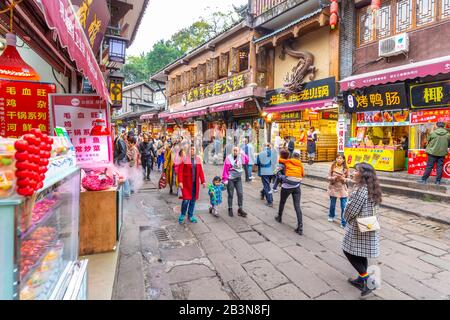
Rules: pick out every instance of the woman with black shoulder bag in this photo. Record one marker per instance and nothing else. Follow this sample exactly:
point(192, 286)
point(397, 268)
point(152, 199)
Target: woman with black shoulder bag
point(362, 231)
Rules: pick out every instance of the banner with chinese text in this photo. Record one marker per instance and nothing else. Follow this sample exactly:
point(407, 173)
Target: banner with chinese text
point(315, 90)
point(376, 98)
point(380, 159)
point(217, 88)
point(430, 95)
point(23, 106)
point(76, 114)
point(417, 163)
point(430, 116)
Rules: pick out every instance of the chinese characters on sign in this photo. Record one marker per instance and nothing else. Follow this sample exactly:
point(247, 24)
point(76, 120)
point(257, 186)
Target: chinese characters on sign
point(23, 106)
point(430, 95)
point(76, 114)
point(430, 116)
point(392, 96)
point(380, 159)
point(290, 115)
point(315, 90)
point(341, 126)
point(217, 88)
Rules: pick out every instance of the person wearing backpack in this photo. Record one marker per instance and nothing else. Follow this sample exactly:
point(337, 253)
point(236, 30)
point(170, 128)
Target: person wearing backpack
point(267, 163)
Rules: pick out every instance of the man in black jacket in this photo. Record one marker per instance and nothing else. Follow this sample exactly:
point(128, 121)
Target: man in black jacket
point(291, 146)
point(120, 151)
point(148, 155)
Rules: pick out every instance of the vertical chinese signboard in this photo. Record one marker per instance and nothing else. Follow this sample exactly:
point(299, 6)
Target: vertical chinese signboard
point(76, 114)
point(23, 106)
point(341, 126)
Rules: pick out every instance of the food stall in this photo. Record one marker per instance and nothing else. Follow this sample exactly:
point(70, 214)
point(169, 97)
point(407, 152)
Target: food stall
point(422, 123)
point(85, 120)
point(379, 120)
point(39, 215)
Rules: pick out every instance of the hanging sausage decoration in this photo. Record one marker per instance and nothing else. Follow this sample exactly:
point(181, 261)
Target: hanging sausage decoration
point(334, 14)
point(376, 4)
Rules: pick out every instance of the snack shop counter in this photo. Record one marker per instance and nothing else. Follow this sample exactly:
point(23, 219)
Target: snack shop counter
point(382, 159)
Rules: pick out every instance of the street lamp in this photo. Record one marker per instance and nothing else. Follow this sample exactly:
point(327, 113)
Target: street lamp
point(117, 48)
point(115, 88)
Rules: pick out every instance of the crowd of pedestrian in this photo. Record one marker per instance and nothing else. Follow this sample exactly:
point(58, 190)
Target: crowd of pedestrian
point(280, 164)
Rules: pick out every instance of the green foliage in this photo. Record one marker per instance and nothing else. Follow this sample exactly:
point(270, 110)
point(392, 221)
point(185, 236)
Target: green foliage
point(140, 68)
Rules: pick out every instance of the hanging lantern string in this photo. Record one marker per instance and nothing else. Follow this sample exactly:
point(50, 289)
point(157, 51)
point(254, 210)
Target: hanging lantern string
point(10, 8)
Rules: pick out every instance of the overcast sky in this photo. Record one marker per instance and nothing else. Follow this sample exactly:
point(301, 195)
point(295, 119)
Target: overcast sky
point(165, 17)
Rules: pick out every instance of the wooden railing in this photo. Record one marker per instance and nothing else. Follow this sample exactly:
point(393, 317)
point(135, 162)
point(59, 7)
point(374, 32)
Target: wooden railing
point(261, 6)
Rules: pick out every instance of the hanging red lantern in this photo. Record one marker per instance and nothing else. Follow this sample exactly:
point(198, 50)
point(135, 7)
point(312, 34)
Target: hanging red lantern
point(334, 14)
point(12, 66)
point(376, 4)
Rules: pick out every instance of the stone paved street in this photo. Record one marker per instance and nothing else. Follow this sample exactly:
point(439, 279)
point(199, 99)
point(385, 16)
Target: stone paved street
point(258, 258)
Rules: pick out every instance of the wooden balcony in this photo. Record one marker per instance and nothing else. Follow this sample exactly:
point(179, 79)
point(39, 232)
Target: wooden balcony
point(262, 6)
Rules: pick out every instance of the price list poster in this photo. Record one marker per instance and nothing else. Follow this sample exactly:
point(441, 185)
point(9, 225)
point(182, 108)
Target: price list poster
point(76, 113)
point(24, 106)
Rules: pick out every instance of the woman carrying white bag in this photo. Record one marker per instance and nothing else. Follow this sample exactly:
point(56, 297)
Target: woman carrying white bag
point(362, 232)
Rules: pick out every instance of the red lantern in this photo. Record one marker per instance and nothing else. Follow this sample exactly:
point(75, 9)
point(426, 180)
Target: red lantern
point(376, 4)
point(334, 14)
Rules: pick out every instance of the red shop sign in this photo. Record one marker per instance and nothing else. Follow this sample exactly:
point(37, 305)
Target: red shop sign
point(417, 162)
point(430, 116)
point(23, 106)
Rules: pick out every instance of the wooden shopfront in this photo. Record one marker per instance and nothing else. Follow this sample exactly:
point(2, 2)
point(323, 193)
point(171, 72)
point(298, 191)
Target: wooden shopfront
point(293, 115)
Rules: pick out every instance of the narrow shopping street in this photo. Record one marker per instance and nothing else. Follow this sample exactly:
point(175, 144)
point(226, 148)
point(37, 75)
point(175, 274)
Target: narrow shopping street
point(258, 258)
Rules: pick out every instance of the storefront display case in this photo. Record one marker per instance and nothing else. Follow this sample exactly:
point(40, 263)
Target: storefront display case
point(422, 124)
point(39, 237)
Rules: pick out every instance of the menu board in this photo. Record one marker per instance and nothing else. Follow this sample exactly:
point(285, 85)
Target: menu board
point(380, 159)
point(382, 118)
point(430, 116)
point(24, 106)
point(76, 114)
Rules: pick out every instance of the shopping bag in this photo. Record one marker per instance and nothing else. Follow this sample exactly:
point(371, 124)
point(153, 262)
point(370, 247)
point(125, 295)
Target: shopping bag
point(162, 181)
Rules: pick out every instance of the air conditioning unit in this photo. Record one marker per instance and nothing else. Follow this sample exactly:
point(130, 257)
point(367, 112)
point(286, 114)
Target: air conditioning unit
point(394, 45)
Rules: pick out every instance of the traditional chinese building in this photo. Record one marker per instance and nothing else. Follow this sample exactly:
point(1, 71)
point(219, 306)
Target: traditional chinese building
point(395, 66)
point(301, 68)
point(222, 83)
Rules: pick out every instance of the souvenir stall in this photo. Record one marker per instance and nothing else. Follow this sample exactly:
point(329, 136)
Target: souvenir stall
point(85, 120)
point(430, 104)
point(39, 218)
point(379, 120)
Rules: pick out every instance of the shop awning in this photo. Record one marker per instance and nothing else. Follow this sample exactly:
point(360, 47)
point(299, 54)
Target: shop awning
point(425, 68)
point(313, 105)
point(183, 114)
point(231, 105)
point(164, 115)
point(148, 116)
point(59, 16)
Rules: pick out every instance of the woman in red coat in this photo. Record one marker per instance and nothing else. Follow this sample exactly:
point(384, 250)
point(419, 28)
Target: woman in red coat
point(190, 176)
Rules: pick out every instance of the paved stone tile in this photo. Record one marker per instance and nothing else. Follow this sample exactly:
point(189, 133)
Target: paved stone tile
point(392, 235)
point(425, 248)
point(199, 228)
point(252, 237)
point(210, 244)
point(337, 261)
point(440, 284)
point(431, 242)
point(264, 274)
point(389, 247)
point(310, 245)
point(201, 289)
point(332, 295)
point(227, 266)
point(272, 253)
point(286, 292)
point(189, 272)
point(333, 245)
point(130, 240)
point(126, 287)
point(303, 278)
point(437, 261)
point(337, 236)
point(222, 231)
point(184, 253)
point(273, 235)
point(397, 263)
point(416, 263)
point(388, 292)
point(244, 288)
point(407, 284)
point(237, 224)
point(323, 270)
point(242, 251)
